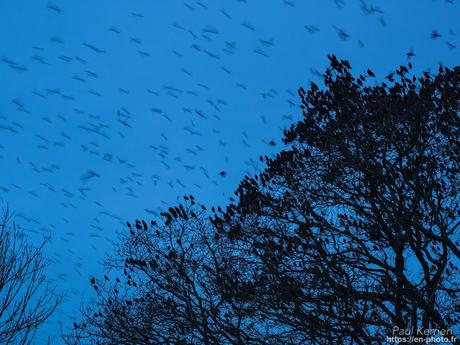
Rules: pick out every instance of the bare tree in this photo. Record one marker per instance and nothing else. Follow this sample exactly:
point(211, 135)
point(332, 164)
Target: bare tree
point(167, 288)
point(353, 230)
point(349, 232)
point(26, 298)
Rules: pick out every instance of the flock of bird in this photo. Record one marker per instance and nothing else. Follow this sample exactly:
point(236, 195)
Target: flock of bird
point(111, 111)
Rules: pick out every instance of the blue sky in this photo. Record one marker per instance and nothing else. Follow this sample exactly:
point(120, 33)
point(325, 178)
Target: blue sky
point(111, 110)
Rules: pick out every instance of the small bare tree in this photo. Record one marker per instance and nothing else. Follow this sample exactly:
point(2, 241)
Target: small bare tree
point(26, 298)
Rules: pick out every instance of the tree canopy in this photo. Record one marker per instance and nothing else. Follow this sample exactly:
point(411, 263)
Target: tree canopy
point(349, 231)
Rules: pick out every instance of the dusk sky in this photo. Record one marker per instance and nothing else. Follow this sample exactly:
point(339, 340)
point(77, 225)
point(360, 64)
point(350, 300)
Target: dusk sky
point(113, 110)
